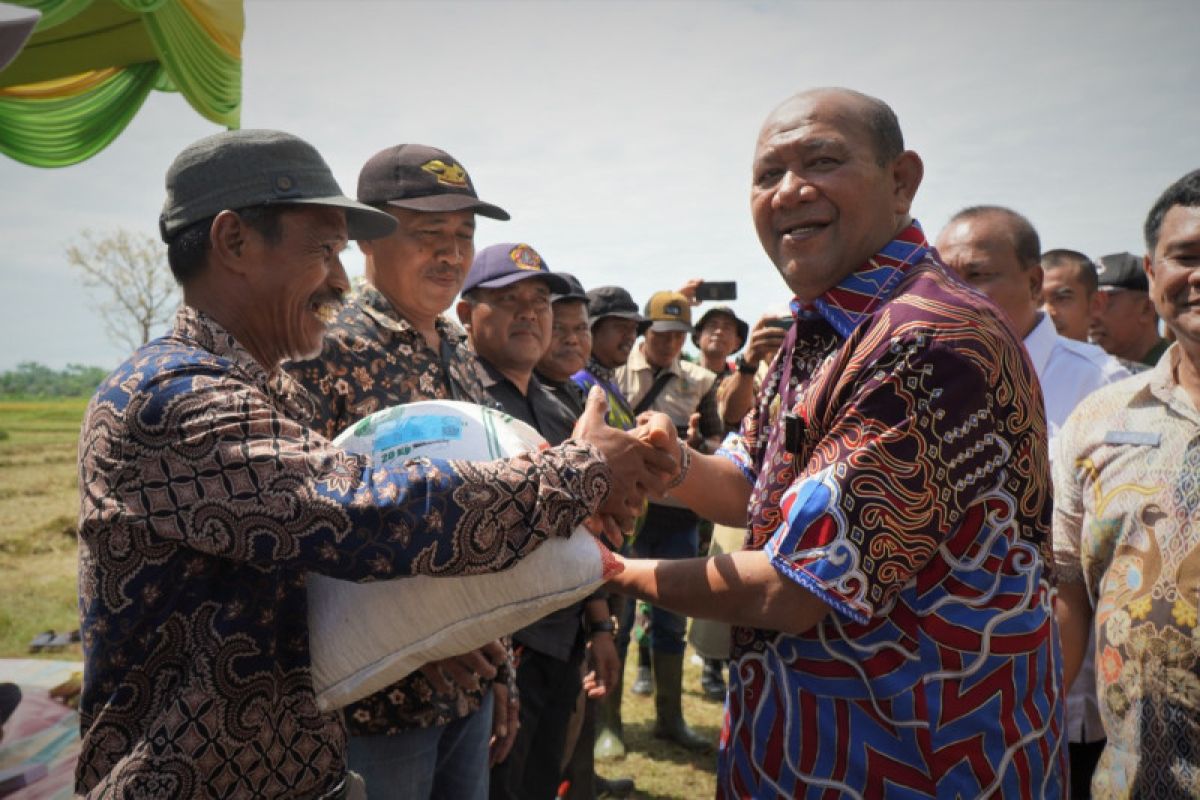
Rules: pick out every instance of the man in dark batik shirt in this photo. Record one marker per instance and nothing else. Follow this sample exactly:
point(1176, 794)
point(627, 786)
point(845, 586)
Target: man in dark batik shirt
point(506, 308)
point(427, 735)
point(206, 498)
point(893, 603)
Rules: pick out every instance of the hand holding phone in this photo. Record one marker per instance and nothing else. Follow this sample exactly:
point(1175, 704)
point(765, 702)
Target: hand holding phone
point(716, 290)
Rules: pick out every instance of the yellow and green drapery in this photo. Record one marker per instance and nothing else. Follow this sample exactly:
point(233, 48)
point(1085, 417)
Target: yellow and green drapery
point(90, 64)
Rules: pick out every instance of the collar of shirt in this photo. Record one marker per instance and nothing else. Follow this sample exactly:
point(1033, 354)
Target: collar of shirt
point(637, 362)
point(600, 371)
point(492, 376)
point(195, 326)
point(1040, 343)
point(537, 407)
point(376, 306)
point(1163, 386)
point(846, 305)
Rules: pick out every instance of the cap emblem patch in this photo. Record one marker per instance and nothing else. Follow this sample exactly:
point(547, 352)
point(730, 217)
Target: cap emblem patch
point(447, 174)
point(525, 257)
point(673, 310)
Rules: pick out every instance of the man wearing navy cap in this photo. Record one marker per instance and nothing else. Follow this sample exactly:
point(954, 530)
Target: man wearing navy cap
point(1126, 324)
point(506, 308)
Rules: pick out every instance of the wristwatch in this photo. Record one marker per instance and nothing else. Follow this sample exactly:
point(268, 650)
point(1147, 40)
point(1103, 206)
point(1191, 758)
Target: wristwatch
point(596, 626)
point(744, 368)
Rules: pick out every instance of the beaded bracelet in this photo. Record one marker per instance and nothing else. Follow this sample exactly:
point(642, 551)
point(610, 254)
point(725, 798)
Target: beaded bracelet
point(685, 462)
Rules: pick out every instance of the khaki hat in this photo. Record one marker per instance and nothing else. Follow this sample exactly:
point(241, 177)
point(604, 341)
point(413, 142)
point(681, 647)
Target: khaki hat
point(669, 311)
point(244, 168)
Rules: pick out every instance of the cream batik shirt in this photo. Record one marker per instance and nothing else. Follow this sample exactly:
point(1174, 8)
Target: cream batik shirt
point(1127, 524)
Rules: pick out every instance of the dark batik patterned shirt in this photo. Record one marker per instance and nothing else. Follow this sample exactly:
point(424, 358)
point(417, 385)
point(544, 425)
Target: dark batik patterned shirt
point(374, 359)
point(205, 500)
point(913, 498)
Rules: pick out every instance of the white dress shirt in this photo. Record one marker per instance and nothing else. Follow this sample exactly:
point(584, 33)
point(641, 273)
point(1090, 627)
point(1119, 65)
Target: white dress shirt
point(1069, 371)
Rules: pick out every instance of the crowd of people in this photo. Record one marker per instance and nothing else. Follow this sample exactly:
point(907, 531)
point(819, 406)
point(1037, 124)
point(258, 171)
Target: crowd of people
point(937, 520)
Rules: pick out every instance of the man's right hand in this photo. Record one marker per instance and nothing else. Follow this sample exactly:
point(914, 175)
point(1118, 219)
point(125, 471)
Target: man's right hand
point(638, 466)
point(465, 670)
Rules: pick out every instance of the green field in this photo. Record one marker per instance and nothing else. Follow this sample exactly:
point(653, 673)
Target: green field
point(38, 508)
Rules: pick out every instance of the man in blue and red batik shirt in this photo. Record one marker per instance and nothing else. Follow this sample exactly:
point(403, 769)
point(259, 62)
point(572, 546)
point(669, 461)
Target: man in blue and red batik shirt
point(894, 597)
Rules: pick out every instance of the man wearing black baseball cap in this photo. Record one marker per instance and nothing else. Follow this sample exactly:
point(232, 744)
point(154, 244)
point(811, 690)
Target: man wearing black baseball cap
point(426, 735)
point(1126, 324)
point(570, 345)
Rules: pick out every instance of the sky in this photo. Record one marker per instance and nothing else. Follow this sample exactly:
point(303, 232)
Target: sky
point(619, 135)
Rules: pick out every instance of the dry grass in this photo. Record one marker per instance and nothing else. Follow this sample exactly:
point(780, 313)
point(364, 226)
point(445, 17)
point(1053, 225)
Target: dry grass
point(38, 507)
point(664, 770)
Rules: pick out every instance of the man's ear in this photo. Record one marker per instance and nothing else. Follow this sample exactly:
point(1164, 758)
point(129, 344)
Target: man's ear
point(907, 172)
point(228, 241)
point(1037, 276)
point(463, 309)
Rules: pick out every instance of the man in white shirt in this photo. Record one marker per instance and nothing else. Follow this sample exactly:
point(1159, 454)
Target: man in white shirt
point(997, 251)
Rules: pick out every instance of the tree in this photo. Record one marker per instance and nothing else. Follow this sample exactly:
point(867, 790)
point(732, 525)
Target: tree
point(31, 379)
point(127, 271)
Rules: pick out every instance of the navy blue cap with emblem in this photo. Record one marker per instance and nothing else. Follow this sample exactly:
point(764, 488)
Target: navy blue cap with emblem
point(503, 264)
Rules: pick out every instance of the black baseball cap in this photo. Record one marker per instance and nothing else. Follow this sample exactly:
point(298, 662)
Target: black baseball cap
point(576, 291)
point(243, 168)
point(1122, 271)
point(421, 178)
point(612, 301)
point(503, 264)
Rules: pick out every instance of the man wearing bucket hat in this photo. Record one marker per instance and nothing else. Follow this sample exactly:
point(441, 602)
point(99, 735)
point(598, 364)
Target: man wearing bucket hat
point(656, 378)
point(719, 334)
point(392, 344)
point(616, 323)
point(206, 498)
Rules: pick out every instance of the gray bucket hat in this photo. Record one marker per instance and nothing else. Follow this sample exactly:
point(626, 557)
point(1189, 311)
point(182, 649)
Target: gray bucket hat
point(239, 169)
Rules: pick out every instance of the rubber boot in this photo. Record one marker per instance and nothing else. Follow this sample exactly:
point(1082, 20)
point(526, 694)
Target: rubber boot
point(668, 703)
point(609, 730)
point(712, 679)
point(643, 684)
point(617, 787)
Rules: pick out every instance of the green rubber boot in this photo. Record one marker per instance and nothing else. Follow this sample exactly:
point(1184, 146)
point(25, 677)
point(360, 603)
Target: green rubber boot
point(668, 704)
point(609, 730)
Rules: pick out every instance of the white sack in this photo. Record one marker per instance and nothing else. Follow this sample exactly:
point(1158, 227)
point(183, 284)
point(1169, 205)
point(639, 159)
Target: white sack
point(365, 636)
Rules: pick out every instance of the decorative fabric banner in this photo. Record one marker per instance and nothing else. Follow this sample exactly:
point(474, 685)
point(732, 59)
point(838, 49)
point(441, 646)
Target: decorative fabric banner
point(91, 64)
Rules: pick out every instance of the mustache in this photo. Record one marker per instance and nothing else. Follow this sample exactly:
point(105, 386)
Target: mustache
point(443, 270)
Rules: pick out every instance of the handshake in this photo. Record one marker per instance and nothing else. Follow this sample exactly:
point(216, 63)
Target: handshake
point(644, 463)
